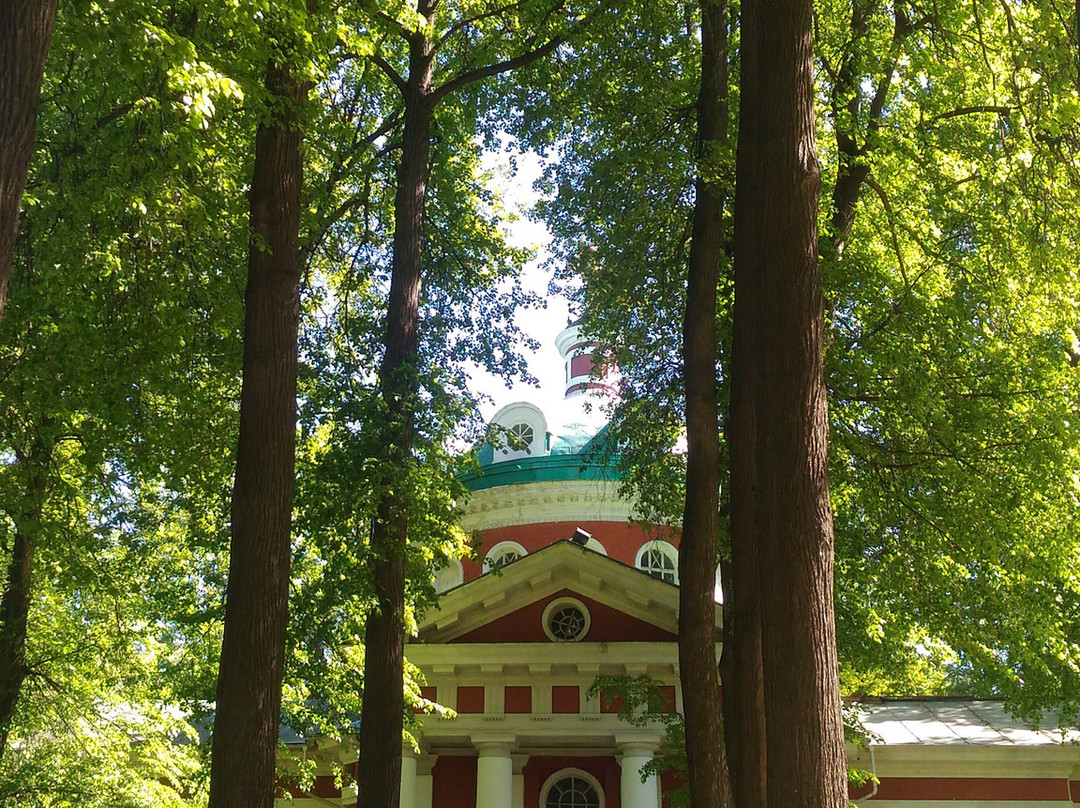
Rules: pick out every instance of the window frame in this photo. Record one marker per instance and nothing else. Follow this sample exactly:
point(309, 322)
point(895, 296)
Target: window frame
point(565, 774)
point(668, 550)
point(561, 603)
point(500, 549)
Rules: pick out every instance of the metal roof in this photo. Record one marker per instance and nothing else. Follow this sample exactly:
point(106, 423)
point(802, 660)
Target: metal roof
point(977, 722)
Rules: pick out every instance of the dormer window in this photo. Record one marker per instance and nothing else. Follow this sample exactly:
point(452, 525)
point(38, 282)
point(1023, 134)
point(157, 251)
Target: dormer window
point(507, 557)
point(521, 432)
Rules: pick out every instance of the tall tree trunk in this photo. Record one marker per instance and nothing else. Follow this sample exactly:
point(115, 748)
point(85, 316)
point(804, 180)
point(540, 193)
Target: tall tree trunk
point(26, 28)
point(382, 712)
point(706, 756)
point(15, 605)
point(256, 610)
point(778, 185)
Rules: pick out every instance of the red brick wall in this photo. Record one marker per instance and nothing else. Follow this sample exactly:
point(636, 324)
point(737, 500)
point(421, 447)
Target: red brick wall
point(608, 625)
point(565, 699)
point(621, 539)
point(470, 699)
point(517, 699)
point(453, 782)
point(539, 769)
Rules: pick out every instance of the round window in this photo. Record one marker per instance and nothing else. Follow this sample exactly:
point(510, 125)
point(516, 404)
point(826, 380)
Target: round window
point(566, 620)
point(572, 789)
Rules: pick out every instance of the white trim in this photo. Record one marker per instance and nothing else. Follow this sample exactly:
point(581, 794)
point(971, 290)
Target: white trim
point(562, 774)
point(510, 416)
point(539, 502)
point(596, 546)
point(560, 603)
point(563, 565)
point(501, 549)
point(667, 548)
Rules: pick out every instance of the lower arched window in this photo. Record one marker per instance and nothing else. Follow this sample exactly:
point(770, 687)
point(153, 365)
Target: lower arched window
point(449, 576)
point(502, 554)
point(572, 788)
point(660, 559)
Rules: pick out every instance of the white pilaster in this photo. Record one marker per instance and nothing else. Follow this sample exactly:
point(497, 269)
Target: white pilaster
point(634, 793)
point(494, 775)
point(518, 790)
point(424, 780)
point(408, 776)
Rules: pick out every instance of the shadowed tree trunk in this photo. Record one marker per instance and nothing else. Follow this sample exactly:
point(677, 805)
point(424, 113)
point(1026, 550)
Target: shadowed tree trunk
point(382, 715)
point(26, 28)
point(779, 393)
point(15, 605)
point(382, 710)
point(706, 757)
point(256, 609)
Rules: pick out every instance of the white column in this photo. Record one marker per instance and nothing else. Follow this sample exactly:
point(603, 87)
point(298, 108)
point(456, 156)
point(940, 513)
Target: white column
point(494, 775)
point(634, 793)
point(408, 776)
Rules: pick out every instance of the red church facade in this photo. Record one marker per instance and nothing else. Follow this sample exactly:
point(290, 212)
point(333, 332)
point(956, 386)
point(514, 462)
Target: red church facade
point(568, 588)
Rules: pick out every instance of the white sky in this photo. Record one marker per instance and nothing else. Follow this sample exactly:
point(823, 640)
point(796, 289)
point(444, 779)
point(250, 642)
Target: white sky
point(516, 191)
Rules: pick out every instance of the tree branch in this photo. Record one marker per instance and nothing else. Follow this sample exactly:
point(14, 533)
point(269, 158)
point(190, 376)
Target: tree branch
point(395, 24)
point(388, 69)
point(873, 183)
point(464, 79)
point(981, 108)
point(471, 20)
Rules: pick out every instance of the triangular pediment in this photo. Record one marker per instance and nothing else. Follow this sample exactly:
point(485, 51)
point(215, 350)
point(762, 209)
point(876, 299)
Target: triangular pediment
point(494, 606)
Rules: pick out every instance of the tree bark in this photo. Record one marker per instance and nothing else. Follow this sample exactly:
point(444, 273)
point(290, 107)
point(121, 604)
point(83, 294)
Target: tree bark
point(15, 605)
point(779, 307)
point(382, 710)
point(256, 611)
point(26, 28)
point(705, 751)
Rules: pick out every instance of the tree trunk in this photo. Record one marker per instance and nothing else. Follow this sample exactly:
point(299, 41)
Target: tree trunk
point(26, 28)
point(382, 711)
point(778, 185)
point(15, 605)
point(705, 752)
point(256, 610)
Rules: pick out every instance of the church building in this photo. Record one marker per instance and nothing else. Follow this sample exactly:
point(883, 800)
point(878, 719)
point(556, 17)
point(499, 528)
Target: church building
point(569, 588)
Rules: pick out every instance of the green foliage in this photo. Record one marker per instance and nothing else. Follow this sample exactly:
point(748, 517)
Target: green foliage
point(642, 704)
point(953, 316)
point(120, 365)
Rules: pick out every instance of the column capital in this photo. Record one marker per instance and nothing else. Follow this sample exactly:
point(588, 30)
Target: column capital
point(638, 743)
point(425, 763)
point(495, 745)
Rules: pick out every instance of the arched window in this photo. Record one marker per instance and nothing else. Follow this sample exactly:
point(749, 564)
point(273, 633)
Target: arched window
point(449, 576)
point(521, 432)
point(521, 436)
point(503, 553)
point(572, 788)
point(660, 559)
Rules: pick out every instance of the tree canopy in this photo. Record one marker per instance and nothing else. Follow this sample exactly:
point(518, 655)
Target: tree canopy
point(948, 136)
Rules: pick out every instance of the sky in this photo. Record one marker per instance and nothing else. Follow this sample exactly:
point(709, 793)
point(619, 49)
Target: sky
point(516, 190)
